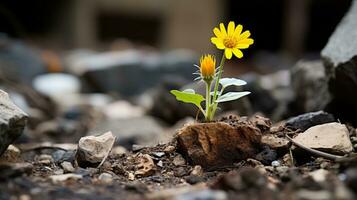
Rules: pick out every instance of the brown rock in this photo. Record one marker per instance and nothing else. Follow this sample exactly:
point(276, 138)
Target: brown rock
point(146, 165)
point(215, 144)
point(275, 142)
point(262, 123)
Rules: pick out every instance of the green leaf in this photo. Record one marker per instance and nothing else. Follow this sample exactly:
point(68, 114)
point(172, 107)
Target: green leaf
point(188, 96)
point(225, 82)
point(230, 96)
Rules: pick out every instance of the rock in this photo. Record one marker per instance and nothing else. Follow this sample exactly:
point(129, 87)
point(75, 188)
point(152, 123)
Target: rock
point(310, 85)
point(319, 175)
point(275, 142)
point(45, 159)
point(169, 149)
point(118, 151)
point(330, 137)
point(18, 61)
point(93, 150)
point(67, 167)
point(197, 171)
point(215, 144)
point(307, 120)
point(145, 165)
point(64, 177)
point(275, 163)
point(105, 178)
point(266, 156)
point(109, 71)
point(264, 124)
point(144, 130)
point(179, 161)
point(340, 59)
point(12, 154)
point(57, 85)
point(12, 121)
point(158, 154)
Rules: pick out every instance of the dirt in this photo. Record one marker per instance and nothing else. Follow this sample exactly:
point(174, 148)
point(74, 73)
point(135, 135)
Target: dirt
point(288, 176)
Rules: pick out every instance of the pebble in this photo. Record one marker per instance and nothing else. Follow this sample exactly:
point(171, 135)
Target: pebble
point(106, 178)
point(160, 164)
point(169, 149)
point(131, 176)
point(158, 154)
point(67, 167)
point(197, 171)
point(45, 159)
point(64, 177)
point(275, 163)
point(179, 161)
point(118, 151)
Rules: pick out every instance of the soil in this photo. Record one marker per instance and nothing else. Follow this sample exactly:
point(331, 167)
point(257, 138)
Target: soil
point(288, 176)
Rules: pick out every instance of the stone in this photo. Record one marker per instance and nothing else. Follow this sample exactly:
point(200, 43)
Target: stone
point(122, 110)
point(275, 142)
point(216, 144)
point(67, 167)
point(264, 124)
point(64, 177)
point(45, 159)
point(340, 59)
point(144, 130)
point(18, 61)
point(331, 137)
point(158, 154)
point(319, 175)
point(12, 121)
point(179, 161)
point(145, 165)
point(109, 71)
point(93, 150)
point(197, 171)
point(105, 178)
point(307, 120)
point(267, 155)
point(12, 154)
point(118, 151)
point(310, 85)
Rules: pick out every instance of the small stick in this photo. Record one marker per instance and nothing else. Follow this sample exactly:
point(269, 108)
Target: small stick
point(317, 152)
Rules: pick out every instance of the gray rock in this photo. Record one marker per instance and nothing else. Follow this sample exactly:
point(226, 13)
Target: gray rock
point(340, 59)
point(12, 121)
point(310, 85)
point(130, 72)
point(307, 120)
point(67, 167)
point(93, 150)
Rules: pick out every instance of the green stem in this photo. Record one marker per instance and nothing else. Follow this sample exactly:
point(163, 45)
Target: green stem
point(208, 100)
point(210, 117)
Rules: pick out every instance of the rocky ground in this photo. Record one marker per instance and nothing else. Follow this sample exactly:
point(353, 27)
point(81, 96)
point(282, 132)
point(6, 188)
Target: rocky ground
point(89, 132)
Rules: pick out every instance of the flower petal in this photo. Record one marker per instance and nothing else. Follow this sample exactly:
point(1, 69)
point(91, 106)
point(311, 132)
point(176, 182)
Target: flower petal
point(223, 29)
point(238, 53)
point(238, 30)
point(217, 32)
point(218, 42)
point(248, 41)
point(244, 35)
point(242, 46)
point(228, 53)
point(231, 28)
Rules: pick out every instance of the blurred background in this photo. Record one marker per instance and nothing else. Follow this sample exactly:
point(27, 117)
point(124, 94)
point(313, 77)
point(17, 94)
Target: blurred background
point(86, 66)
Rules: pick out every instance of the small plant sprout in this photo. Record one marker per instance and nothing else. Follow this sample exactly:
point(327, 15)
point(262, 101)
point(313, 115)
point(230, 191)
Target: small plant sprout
point(231, 41)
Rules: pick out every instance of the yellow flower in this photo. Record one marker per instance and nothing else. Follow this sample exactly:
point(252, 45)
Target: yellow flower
point(207, 67)
point(232, 40)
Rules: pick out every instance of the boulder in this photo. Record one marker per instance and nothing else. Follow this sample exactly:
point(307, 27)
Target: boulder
point(12, 121)
point(307, 120)
point(93, 150)
point(331, 137)
point(340, 60)
point(217, 144)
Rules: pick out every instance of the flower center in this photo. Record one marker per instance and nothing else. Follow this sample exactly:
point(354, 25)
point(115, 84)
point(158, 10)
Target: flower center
point(230, 42)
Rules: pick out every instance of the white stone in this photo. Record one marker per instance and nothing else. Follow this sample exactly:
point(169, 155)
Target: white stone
point(64, 177)
point(330, 137)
